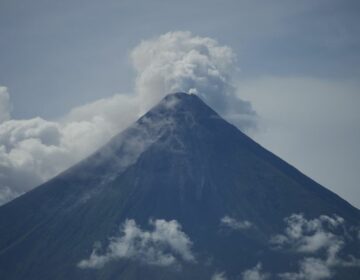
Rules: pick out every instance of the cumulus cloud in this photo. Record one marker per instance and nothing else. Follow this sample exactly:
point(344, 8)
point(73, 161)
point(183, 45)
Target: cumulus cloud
point(255, 273)
point(320, 240)
point(235, 224)
point(309, 236)
point(310, 269)
point(323, 234)
point(165, 245)
point(34, 150)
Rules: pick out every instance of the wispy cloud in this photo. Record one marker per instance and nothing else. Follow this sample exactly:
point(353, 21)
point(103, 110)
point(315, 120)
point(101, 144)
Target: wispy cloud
point(165, 245)
point(235, 224)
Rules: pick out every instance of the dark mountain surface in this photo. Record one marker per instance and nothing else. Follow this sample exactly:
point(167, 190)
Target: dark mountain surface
point(180, 161)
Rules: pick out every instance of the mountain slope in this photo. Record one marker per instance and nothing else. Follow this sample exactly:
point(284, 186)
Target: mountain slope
point(180, 161)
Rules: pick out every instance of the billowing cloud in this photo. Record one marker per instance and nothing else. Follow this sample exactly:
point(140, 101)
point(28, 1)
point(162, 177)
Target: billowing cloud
point(255, 273)
point(165, 245)
point(34, 150)
point(235, 224)
point(179, 61)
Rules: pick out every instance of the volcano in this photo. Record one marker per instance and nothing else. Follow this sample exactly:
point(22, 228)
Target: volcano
point(180, 194)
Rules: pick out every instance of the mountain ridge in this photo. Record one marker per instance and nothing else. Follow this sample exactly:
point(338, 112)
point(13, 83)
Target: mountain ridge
point(180, 161)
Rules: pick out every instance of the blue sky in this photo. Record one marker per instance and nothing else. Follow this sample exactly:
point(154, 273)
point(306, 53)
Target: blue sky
point(299, 66)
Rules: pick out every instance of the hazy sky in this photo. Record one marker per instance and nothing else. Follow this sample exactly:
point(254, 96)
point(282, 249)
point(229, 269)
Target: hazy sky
point(299, 66)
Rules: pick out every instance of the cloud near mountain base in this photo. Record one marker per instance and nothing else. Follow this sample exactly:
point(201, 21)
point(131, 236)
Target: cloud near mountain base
point(165, 245)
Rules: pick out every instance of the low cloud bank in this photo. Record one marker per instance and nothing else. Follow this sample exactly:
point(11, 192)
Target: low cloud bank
point(165, 245)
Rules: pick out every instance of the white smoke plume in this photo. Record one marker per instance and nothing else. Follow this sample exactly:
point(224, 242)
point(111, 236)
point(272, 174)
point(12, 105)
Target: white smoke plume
point(179, 61)
point(34, 150)
point(165, 245)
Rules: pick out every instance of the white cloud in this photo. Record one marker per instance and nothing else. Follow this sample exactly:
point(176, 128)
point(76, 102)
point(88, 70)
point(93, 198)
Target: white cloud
point(34, 150)
point(310, 269)
point(235, 224)
point(323, 234)
point(165, 245)
point(309, 236)
point(255, 273)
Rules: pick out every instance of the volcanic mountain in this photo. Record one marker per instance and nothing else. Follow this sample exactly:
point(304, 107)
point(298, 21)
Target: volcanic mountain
point(180, 194)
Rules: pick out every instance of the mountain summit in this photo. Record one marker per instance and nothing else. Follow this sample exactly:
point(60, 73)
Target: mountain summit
point(180, 194)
